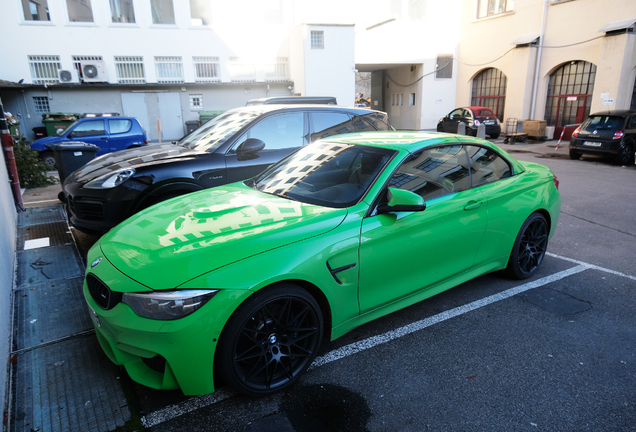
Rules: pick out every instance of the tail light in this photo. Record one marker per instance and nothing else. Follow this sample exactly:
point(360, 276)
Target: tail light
point(146, 141)
point(477, 122)
point(498, 122)
point(556, 181)
point(576, 132)
point(618, 134)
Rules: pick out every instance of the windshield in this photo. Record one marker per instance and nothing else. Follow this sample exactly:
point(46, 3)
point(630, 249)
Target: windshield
point(326, 174)
point(602, 123)
point(215, 132)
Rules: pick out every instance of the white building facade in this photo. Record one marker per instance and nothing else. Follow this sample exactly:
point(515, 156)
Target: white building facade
point(165, 60)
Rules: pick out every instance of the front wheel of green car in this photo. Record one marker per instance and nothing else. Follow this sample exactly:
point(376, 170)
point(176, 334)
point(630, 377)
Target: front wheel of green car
point(270, 340)
point(530, 246)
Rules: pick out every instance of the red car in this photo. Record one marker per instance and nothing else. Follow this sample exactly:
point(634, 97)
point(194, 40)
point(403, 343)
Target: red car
point(472, 117)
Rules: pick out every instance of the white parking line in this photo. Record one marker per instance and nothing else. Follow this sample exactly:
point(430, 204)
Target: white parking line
point(197, 402)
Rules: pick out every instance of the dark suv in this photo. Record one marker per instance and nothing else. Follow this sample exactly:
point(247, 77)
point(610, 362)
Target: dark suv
point(236, 145)
point(611, 133)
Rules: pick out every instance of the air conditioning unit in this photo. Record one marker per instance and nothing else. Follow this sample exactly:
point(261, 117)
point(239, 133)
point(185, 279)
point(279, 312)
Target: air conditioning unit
point(67, 75)
point(93, 71)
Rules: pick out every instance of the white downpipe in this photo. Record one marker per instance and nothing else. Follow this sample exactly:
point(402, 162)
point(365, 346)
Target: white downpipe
point(538, 63)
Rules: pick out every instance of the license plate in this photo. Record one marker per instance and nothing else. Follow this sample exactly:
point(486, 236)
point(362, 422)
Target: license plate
point(489, 123)
point(592, 144)
point(94, 315)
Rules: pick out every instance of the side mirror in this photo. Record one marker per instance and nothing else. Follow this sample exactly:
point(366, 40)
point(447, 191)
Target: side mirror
point(402, 200)
point(250, 145)
point(59, 132)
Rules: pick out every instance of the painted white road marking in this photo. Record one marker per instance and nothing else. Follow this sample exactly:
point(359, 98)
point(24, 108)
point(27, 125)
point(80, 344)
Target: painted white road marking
point(592, 266)
point(197, 402)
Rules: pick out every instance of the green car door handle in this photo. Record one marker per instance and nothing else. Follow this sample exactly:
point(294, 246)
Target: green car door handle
point(473, 205)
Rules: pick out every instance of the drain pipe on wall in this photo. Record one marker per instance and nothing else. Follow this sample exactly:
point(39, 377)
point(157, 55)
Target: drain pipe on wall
point(538, 62)
point(7, 147)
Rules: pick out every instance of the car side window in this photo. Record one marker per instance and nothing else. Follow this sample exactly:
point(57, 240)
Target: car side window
point(119, 126)
point(434, 172)
point(467, 114)
point(321, 121)
point(88, 128)
point(486, 166)
point(280, 131)
point(456, 113)
point(632, 123)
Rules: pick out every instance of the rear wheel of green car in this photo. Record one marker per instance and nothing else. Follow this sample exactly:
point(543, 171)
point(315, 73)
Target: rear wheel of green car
point(270, 340)
point(529, 248)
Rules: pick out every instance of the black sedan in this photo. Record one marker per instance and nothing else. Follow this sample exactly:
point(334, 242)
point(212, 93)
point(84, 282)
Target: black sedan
point(234, 146)
point(609, 133)
point(472, 117)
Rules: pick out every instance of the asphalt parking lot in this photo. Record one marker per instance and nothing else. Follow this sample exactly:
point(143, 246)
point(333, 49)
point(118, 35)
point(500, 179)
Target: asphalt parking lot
point(556, 352)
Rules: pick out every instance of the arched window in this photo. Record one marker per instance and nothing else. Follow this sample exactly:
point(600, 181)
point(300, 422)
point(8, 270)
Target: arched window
point(570, 94)
point(489, 90)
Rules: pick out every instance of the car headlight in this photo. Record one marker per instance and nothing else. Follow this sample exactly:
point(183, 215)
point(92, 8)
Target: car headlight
point(167, 305)
point(110, 180)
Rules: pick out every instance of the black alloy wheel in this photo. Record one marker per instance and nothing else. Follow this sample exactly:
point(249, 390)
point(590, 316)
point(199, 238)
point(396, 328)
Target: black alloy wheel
point(529, 248)
point(270, 340)
point(625, 155)
point(440, 128)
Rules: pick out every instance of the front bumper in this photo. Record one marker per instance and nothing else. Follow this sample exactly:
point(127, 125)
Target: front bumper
point(95, 211)
point(164, 355)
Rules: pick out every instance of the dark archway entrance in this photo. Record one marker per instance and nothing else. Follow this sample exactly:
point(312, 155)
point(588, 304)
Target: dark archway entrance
point(489, 90)
point(569, 96)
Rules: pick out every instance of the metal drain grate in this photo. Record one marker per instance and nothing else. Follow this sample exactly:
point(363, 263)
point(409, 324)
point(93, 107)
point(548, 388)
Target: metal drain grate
point(68, 386)
point(48, 264)
point(49, 312)
point(41, 215)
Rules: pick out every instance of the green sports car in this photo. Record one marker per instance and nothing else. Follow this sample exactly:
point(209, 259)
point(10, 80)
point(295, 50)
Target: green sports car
point(244, 281)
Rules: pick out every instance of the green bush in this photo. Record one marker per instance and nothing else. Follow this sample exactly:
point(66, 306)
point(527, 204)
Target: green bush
point(31, 169)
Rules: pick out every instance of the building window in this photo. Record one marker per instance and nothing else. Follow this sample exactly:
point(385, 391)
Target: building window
point(276, 70)
point(122, 11)
point(169, 70)
point(317, 40)
point(444, 66)
point(130, 69)
point(196, 102)
point(206, 69)
point(412, 99)
point(41, 104)
point(489, 90)
point(44, 69)
point(242, 70)
point(200, 13)
point(36, 10)
point(79, 10)
point(162, 11)
point(486, 8)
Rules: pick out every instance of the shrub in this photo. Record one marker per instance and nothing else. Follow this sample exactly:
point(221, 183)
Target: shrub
point(31, 169)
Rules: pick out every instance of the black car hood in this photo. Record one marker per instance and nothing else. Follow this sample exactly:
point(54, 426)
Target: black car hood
point(131, 158)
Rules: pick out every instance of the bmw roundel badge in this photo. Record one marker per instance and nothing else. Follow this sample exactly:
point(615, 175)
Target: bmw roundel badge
point(97, 261)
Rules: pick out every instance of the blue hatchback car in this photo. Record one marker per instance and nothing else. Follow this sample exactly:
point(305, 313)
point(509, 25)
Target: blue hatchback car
point(108, 133)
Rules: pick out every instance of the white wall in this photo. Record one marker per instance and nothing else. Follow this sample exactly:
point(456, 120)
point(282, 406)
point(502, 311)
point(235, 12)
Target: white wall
point(330, 71)
point(8, 230)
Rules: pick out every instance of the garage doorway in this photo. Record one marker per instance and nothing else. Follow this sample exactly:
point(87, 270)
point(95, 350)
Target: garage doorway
point(569, 96)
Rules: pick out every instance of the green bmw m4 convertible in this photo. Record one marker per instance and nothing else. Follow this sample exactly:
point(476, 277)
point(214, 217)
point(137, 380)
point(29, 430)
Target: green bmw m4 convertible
point(244, 281)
